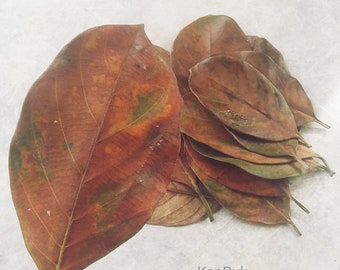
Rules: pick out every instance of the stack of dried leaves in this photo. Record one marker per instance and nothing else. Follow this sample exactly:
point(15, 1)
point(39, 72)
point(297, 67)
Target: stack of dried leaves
point(109, 140)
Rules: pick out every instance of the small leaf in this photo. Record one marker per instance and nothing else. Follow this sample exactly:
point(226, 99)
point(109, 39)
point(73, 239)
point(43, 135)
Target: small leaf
point(288, 86)
point(201, 125)
point(185, 201)
point(234, 177)
point(181, 205)
point(267, 210)
point(97, 136)
point(264, 147)
point(262, 45)
point(242, 98)
point(271, 171)
point(202, 38)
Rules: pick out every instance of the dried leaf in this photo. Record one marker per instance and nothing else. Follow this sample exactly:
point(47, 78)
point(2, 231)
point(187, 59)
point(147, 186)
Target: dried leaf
point(201, 125)
point(234, 177)
point(272, 171)
point(202, 38)
point(267, 210)
point(262, 45)
point(242, 98)
point(288, 86)
point(181, 205)
point(264, 147)
point(185, 202)
point(98, 135)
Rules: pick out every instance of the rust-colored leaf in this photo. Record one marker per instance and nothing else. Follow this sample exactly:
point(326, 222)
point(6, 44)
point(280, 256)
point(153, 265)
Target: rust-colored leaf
point(95, 146)
point(288, 86)
point(234, 177)
point(202, 38)
point(267, 210)
point(242, 98)
point(268, 171)
point(201, 125)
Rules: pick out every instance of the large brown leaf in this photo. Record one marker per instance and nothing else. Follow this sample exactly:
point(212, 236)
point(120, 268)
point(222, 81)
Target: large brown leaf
point(202, 38)
point(242, 98)
point(95, 146)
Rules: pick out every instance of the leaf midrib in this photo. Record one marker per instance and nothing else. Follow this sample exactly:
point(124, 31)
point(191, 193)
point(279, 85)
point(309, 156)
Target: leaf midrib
point(70, 218)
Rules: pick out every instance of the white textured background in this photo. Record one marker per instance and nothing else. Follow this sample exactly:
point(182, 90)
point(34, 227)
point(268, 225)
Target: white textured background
point(307, 32)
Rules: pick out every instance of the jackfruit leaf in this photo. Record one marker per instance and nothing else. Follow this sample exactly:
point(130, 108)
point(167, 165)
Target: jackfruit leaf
point(242, 98)
point(201, 125)
point(202, 38)
point(181, 205)
point(288, 86)
point(186, 200)
point(268, 171)
point(235, 178)
point(98, 135)
point(262, 45)
point(265, 147)
point(266, 210)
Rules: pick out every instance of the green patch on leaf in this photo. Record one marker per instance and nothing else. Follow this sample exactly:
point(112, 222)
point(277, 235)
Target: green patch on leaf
point(147, 104)
point(15, 158)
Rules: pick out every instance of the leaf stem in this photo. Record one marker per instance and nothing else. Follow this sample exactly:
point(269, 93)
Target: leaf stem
point(303, 141)
point(304, 208)
point(285, 217)
point(202, 198)
point(322, 123)
point(326, 167)
point(290, 196)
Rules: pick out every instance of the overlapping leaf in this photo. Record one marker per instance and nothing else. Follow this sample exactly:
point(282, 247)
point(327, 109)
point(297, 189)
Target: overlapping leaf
point(214, 35)
point(245, 111)
point(242, 98)
point(96, 153)
point(98, 135)
point(262, 45)
point(234, 177)
point(288, 86)
point(267, 210)
point(182, 204)
point(198, 123)
point(202, 38)
point(269, 171)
